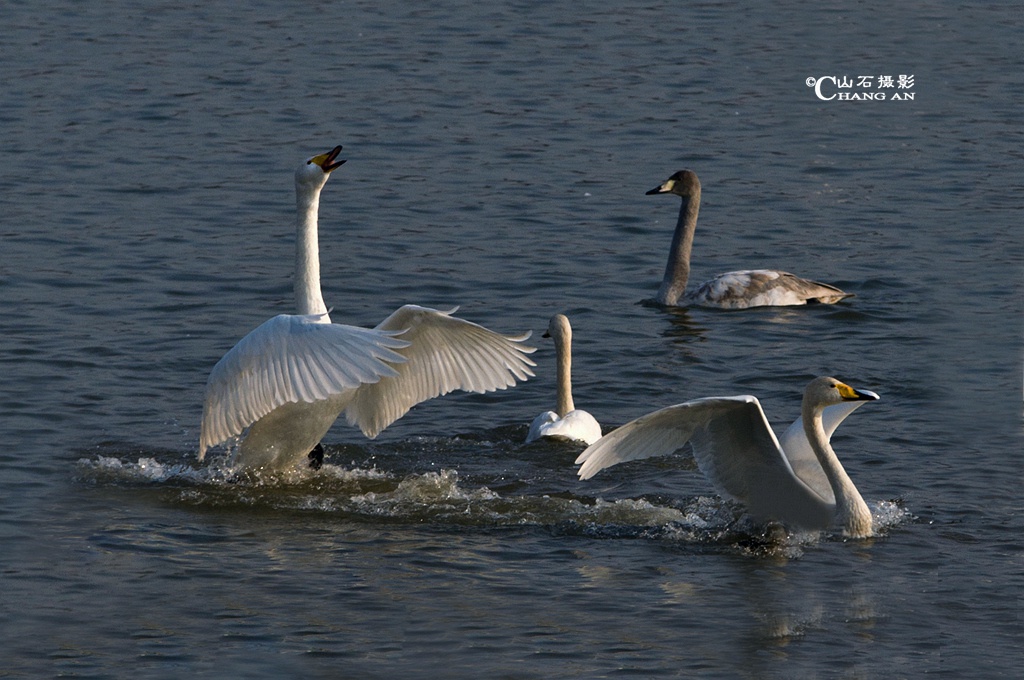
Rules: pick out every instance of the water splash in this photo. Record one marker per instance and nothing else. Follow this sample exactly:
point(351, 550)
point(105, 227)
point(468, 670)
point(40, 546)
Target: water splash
point(444, 499)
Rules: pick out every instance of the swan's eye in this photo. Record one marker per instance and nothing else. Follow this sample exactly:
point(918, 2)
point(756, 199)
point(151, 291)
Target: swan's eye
point(309, 162)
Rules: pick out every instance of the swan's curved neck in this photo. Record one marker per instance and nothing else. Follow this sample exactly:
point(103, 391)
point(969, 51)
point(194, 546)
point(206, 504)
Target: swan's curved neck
point(677, 271)
point(852, 513)
point(563, 362)
point(308, 297)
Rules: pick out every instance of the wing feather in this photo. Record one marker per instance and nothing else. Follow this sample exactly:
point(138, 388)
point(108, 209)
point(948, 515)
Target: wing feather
point(734, 447)
point(443, 354)
point(656, 434)
point(290, 359)
point(763, 287)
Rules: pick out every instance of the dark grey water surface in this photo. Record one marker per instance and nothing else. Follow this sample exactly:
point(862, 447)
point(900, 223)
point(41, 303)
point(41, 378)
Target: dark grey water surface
point(498, 158)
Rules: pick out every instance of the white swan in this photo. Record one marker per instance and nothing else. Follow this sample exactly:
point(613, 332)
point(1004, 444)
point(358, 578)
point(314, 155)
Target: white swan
point(569, 422)
point(289, 379)
point(798, 480)
point(733, 290)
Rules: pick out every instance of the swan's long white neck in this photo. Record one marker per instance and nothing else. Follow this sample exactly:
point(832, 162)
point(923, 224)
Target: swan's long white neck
point(852, 513)
point(677, 271)
point(308, 297)
point(563, 362)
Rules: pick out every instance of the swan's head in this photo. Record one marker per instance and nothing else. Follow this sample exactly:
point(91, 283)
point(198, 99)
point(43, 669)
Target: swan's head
point(559, 328)
point(684, 183)
point(315, 171)
point(827, 391)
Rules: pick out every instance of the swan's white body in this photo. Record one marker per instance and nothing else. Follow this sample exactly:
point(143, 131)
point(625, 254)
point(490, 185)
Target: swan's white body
point(568, 422)
point(732, 290)
point(797, 480)
point(288, 380)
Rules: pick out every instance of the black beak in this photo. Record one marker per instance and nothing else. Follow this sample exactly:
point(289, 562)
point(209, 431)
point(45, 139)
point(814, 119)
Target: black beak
point(331, 164)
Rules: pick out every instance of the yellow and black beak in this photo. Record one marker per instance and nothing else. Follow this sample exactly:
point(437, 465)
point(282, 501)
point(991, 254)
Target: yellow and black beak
point(327, 161)
point(850, 394)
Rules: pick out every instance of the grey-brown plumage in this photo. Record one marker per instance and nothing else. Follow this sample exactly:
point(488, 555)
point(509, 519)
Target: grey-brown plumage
point(732, 290)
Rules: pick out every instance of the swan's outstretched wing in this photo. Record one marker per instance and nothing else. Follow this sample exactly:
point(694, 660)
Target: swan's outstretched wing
point(738, 452)
point(655, 434)
point(735, 448)
point(444, 354)
point(290, 359)
point(800, 454)
point(763, 287)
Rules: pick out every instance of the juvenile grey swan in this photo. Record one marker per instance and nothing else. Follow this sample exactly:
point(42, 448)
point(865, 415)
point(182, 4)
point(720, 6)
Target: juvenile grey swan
point(797, 480)
point(732, 290)
point(568, 422)
point(287, 381)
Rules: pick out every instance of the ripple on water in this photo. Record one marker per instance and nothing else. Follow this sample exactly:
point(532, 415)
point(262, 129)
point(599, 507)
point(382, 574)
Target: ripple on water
point(445, 500)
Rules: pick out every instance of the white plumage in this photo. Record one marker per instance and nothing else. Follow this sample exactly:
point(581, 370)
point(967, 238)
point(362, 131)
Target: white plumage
point(289, 379)
point(568, 422)
point(797, 480)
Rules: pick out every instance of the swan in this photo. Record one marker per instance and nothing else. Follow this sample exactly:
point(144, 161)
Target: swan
point(286, 382)
point(797, 479)
point(732, 290)
point(569, 422)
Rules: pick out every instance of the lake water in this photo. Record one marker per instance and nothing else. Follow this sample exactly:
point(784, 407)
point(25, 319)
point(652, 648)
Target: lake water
point(498, 159)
